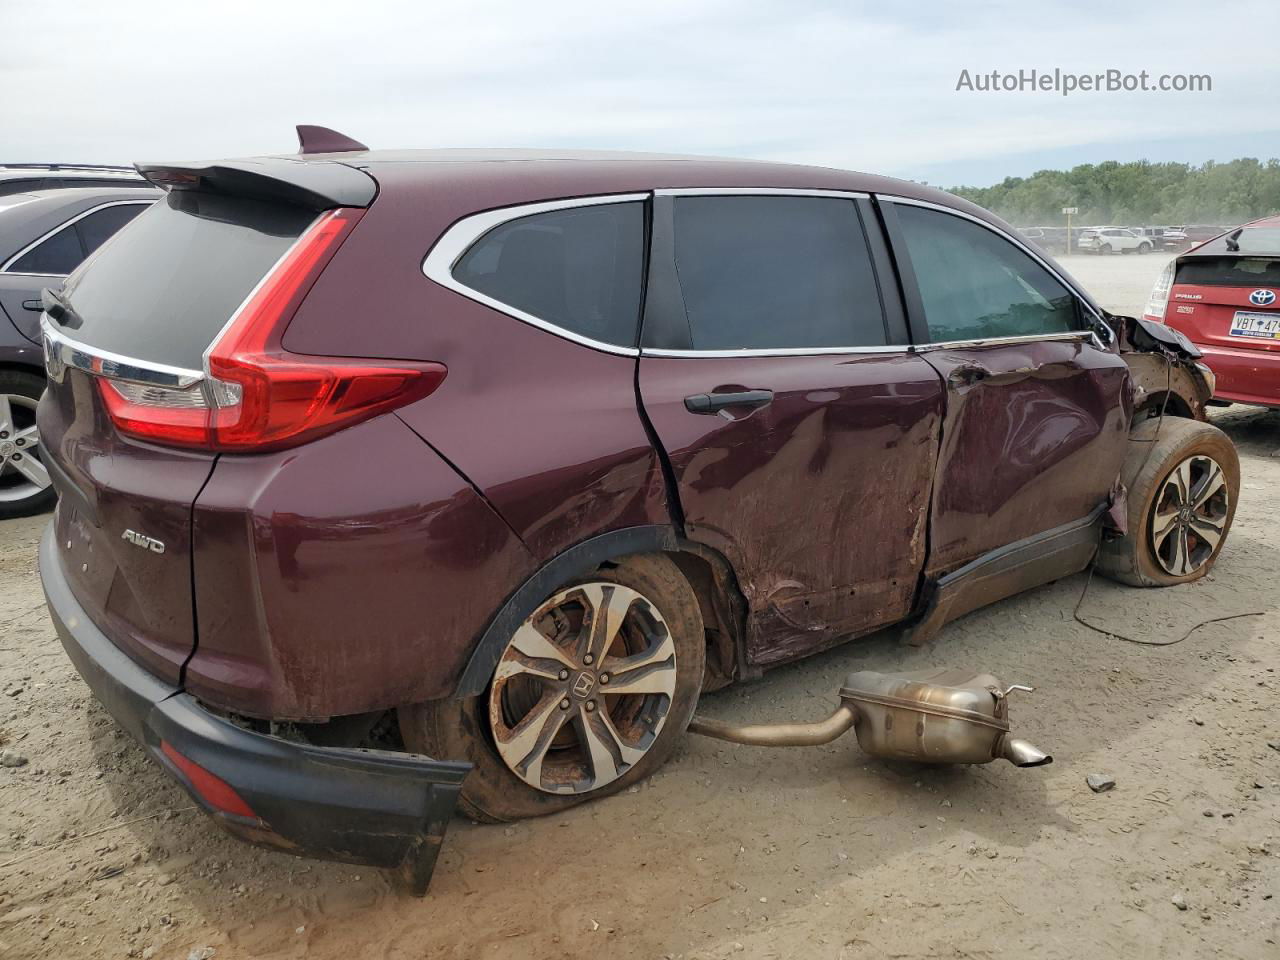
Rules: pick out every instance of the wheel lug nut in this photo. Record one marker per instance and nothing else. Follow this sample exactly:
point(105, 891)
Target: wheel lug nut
point(564, 704)
point(604, 678)
point(17, 456)
point(564, 674)
point(591, 705)
point(588, 659)
point(19, 441)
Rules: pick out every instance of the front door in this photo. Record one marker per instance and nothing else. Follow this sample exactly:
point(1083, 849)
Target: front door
point(801, 433)
point(1038, 411)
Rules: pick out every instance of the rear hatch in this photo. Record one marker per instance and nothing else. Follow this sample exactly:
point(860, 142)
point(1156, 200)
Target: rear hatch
point(1227, 300)
point(125, 345)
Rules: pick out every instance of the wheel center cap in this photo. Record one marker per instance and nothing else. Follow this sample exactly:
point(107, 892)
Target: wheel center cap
point(6, 447)
point(583, 684)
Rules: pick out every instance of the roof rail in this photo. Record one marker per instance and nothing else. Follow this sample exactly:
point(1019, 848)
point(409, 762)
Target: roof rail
point(66, 166)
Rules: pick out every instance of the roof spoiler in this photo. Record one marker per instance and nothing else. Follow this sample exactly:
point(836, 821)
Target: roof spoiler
point(316, 184)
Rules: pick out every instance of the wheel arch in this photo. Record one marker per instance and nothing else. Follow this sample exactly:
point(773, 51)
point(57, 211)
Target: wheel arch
point(709, 574)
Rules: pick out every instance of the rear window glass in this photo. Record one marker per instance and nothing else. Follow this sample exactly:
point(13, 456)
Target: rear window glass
point(578, 268)
point(170, 285)
point(1230, 271)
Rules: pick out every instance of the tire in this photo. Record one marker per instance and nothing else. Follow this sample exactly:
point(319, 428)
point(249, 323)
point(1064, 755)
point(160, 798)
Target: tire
point(1158, 448)
point(24, 482)
point(1106, 250)
point(1144, 248)
point(651, 724)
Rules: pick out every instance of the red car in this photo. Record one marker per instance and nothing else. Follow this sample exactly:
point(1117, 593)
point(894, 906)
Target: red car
point(394, 480)
point(1224, 295)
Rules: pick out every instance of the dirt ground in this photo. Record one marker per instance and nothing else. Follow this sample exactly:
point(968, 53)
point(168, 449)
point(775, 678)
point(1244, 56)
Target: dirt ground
point(734, 851)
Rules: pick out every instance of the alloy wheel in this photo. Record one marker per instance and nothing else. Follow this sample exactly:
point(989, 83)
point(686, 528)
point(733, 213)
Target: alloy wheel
point(22, 475)
point(583, 688)
point(1189, 517)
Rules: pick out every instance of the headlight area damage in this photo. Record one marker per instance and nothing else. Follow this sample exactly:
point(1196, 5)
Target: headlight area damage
point(1167, 375)
point(376, 807)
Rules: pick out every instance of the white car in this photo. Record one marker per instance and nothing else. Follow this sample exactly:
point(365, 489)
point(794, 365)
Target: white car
point(1114, 240)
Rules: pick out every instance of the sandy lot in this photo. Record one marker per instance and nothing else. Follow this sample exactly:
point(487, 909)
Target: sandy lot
point(733, 851)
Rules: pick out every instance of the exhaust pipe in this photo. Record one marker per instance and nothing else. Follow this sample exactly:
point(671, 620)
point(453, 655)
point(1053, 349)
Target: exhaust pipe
point(940, 716)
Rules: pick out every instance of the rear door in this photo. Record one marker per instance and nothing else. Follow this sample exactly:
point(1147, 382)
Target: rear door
point(141, 315)
point(1037, 411)
point(800, 431)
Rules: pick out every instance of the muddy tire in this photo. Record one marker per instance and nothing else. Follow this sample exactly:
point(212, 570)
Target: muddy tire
point(1183, 482)
point(592, 693)
point(24, 482)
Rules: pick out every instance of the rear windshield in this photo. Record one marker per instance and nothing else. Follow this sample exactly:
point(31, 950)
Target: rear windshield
point(1230, 271)
point(165, 287)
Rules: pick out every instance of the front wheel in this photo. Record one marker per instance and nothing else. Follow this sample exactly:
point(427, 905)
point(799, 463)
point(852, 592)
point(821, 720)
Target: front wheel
point(1144, 248)
point(592, 693)
point(1183, 481)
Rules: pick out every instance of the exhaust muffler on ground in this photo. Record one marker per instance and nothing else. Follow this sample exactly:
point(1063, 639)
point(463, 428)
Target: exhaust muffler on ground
point(938, 716)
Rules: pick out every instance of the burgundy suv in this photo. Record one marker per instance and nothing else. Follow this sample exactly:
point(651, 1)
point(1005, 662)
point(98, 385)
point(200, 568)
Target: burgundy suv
point(392, 478)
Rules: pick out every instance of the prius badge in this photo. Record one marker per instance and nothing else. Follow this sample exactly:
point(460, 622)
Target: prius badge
point(143, 541)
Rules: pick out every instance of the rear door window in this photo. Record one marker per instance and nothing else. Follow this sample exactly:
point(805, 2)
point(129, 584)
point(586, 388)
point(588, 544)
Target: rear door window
point(165, 291)
point(578, 268)
point(975, 285)
point(776, 272)
point(96, 228)
point(57, 255)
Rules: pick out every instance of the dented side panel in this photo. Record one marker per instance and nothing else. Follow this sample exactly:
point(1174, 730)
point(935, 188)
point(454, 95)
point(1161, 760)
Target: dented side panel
point(1033, 439)
point(819, 500)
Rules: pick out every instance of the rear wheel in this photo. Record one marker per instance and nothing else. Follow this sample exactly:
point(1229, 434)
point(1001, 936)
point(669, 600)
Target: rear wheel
point(24, 482)
point(591, 694)
point(1144, 248)
point(1183, 481)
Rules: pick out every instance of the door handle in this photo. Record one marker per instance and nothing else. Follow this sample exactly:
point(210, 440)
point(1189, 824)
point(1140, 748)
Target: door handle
point(966, 374)
point(715, 402)
point(34, 305)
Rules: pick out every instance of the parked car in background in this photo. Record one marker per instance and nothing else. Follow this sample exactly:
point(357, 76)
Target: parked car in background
point(1114, 240)
point(1200, 232)
point(28, 177)
point(1224, 295)
point(43, 237)
point(489, 462)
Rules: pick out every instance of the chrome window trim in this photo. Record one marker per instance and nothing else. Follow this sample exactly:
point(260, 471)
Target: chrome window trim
point(777, 351)
point(458, 239)
point(758, 192)
point(1001, 341)
point(62, 351)
point(1013, 238)
point(58, 229)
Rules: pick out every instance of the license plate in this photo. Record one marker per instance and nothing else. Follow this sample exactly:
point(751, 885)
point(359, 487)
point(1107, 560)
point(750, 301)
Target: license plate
point(1257, 326)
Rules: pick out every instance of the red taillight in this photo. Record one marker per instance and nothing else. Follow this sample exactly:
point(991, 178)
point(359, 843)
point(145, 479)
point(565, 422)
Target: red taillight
point(212, 789)
point(258, 396)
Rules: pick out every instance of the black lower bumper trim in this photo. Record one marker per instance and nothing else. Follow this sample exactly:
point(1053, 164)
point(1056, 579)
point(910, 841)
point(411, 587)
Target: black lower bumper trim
point(358, 806)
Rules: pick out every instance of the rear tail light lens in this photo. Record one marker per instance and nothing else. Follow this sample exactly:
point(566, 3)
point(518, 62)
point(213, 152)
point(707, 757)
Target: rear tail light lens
point(212, 789)
point(1158, 303)
point(256, 395)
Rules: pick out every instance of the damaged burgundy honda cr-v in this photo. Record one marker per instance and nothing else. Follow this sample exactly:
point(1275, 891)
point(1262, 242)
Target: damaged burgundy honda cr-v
point(392, 478)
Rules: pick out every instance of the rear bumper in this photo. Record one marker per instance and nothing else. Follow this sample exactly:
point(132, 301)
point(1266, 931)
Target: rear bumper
point(1244, 375)
point(358, 806)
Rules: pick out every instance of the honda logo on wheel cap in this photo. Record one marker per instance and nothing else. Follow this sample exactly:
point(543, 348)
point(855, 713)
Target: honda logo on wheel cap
point(1262, 298)
point(583, 685)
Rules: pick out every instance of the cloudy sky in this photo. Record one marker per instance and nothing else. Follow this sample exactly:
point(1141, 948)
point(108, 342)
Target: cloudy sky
point(868, 86)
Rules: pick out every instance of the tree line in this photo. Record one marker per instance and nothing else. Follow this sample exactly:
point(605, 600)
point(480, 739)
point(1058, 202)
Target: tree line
point(1138, 193)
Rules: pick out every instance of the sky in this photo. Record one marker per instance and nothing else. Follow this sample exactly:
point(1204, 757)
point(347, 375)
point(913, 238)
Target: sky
point(864, 86)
